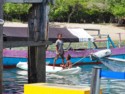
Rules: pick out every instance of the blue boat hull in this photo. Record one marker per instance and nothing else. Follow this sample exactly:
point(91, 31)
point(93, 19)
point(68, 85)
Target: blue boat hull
point(12, 61)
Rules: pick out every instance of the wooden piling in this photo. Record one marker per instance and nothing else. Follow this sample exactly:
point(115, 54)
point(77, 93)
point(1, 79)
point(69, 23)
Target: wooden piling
point(36, 64)
point(38, 19)
point(37, 28)
point(1, 46)
point(41, 64)
point(31, 65)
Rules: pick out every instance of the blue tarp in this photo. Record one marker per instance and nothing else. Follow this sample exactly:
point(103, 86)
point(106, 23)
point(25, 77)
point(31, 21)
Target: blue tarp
point(112, 75)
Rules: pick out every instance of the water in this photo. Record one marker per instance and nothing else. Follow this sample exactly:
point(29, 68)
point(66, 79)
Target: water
point(14, 80)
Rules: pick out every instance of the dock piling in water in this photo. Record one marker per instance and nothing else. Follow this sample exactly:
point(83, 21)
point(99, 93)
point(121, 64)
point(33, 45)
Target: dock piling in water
point(38, 21)
point(95, 82)
point(1, 45)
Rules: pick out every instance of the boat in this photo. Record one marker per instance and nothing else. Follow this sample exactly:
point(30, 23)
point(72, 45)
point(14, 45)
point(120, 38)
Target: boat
point(114, 64)
point(56, 70)
point(79, 56)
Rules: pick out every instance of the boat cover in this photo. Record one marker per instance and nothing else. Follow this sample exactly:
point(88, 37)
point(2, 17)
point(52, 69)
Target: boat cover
point(69, 34)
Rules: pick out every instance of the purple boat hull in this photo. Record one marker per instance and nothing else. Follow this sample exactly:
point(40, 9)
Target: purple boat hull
point(12, 57)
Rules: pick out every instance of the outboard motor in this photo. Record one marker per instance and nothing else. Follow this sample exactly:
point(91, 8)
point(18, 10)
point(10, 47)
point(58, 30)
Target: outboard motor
point(100, 54)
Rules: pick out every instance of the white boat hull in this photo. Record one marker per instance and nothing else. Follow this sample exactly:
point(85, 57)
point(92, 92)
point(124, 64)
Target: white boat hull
point(114, 64)
point(49, 69)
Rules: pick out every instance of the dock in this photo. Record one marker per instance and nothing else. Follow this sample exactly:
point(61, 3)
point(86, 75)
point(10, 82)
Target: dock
point(50, 88)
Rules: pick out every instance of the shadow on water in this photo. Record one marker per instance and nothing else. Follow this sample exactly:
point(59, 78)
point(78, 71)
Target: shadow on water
point(14, 80)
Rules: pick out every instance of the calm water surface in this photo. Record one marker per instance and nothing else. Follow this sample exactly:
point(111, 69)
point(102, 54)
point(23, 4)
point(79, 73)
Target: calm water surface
point(14, 80)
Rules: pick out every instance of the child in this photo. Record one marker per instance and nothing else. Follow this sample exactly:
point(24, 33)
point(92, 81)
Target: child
point(59, 49)
point(68, 62)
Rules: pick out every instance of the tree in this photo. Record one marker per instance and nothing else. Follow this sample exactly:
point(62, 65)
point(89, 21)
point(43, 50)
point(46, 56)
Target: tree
point(117, 8)
point(16, 11)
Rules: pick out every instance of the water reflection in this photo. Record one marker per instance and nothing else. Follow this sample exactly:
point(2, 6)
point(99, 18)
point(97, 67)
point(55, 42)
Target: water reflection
point(13, 83)
point(14, 80)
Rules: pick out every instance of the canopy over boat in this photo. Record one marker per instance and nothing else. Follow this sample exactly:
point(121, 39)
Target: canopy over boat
point(69, 34)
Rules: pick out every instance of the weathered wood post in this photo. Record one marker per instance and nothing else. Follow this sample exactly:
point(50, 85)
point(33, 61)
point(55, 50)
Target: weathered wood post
point(38, 18)
point(1, 45)
point(31, 49)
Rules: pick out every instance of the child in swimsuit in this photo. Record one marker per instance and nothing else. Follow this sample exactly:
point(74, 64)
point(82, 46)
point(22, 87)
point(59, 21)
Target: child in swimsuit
point(68, 63)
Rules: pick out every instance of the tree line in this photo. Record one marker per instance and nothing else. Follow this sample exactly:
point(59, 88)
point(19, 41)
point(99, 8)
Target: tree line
point(76, 11)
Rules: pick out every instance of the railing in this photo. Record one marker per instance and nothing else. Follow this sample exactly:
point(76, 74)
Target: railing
point(98, 30)
point(97, 73)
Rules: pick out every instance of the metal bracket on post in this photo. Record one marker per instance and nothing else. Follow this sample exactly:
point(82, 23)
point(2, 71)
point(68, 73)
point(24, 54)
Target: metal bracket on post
point(1, 21)
point(95, 82)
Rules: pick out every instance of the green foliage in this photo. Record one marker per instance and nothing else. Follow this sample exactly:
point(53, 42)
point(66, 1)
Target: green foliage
point(117, 7)
point(79, 11)
point(118, 10)
point(16, 11)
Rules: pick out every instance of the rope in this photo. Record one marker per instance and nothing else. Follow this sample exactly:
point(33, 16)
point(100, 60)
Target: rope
point(82, 58)
point(78, 61)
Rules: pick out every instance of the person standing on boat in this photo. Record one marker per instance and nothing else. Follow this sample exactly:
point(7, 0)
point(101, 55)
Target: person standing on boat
point(59, 49)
